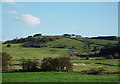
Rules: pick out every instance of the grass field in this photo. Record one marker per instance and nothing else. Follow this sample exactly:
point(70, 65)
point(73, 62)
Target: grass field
point(57, 77)
point(108, 64)
point(17, 52)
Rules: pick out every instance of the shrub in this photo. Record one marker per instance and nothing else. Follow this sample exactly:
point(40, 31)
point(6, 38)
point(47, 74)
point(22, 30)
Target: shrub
point(29, 64)
point(8, 45)
point(6, 61)
point(116, 55)
point(56, 64)
point(94, 71)
point(87, 58)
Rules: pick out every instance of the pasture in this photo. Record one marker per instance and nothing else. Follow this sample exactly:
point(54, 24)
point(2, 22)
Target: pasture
point(57, 77)
point(18, 52)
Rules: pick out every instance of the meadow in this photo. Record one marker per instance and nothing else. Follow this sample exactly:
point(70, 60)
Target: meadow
point(57, 77)
point(18, 52)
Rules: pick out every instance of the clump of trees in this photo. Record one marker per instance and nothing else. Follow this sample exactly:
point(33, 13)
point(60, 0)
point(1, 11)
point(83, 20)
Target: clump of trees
point(6, 61)
point(56, 64)
point(48, 64)
point(110, 51)
point(29, 64)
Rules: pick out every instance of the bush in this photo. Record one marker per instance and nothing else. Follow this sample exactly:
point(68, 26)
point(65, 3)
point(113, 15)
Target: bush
point(117, 56)
point(87, 58)
point(29, 64)
point(94, 71)
point(8, 45)
point(56, 64)
point(6, 61)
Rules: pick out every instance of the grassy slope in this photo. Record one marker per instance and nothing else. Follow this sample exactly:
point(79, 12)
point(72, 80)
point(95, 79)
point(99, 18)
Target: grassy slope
point(57, 77)
point(68, 42)
point(17, 52)
point(79, 44)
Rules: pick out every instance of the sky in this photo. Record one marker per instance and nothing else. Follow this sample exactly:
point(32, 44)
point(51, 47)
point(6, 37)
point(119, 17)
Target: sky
point(88, 19)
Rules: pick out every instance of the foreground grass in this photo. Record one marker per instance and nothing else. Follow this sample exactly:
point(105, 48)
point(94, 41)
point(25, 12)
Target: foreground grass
point(57, 77)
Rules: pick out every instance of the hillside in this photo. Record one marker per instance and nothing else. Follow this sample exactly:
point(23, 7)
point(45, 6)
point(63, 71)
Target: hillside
point(79, 44)
point(18, 52)
point(52, 46)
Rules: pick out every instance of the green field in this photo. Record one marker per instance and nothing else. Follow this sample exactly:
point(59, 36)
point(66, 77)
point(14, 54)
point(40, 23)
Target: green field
point(109, 64)
point(57, 77)
point(18, 52)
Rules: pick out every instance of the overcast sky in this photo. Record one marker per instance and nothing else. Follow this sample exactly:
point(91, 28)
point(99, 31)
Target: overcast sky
point(20, 19)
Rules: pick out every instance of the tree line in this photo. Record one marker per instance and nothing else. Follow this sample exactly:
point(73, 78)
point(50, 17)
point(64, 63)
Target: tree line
point(33, 41)
point(48, 64)
point(37, 38)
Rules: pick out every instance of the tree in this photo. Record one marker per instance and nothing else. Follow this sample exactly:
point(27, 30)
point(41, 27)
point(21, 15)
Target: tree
point(29, 64)
point(64, 64)
point(46, 65)
point(56, 64)
point(6, 61)
point(8, 45)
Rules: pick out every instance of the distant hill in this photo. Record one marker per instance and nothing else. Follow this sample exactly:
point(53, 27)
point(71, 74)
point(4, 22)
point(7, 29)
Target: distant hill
point(68, 41)
point(60, 46)
point(106, 37)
